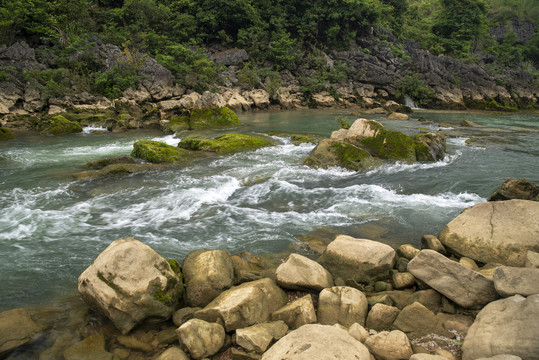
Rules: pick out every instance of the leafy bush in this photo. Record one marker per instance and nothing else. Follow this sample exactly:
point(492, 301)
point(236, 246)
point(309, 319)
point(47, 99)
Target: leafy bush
point(411, 86)
point(114, 82)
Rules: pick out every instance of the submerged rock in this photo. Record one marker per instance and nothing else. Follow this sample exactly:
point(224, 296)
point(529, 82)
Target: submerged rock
point(93, 347)
point(227, 143)
point(129, 282)
point(516, 189)
point(116, 170)
point(101, 163)
point(329, 153)
point(16, 329)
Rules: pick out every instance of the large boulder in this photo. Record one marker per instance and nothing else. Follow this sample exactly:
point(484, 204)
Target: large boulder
point(207, 273)
point(258, 337)
point(160, 153)
point(361, 260)
point(465, 287)
point(244, 305)
point(510, 281)
point(129, 282)
point(429, 147)
point(201, 118)
point(342, 305)
point(59, 125)
point(516, 189)
point(16, 329)
point(317, 342)
point(507, 326)
point(301, 273)
point(331, 153)
point(227, 143)
point(296, 314)
point(201, 338)
point(416, 321)
point(392, 345)
point(381, 317)
point(495, 232)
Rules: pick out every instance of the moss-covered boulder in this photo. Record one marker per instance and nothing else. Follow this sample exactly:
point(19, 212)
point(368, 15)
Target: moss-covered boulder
point(5, 134)
point(158, 152)
point(330, 153)
point(227, 143)
point(391, 145)
point(177, 123)
point(59, 125)
point(213, 118)
point(429, 147)
point(101, 163)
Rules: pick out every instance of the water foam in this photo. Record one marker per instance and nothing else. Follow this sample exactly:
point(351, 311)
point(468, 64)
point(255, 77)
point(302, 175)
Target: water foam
point(92, 128)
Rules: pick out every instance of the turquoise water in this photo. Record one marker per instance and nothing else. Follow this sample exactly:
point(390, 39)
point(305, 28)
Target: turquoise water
point(52, 227)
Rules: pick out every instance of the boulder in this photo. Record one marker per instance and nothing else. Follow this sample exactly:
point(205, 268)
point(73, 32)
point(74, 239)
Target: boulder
point(516, 189)
point(416, 320)
point(298, 313)
point(432, 242)
point(157, 80)
point(202, 339)
point(510, 281)
point(532, 259)
point(227, 143)
point(219, 118)
point(258, 337)
point(381, 317)
point(361, 260)
point(16, 329)
point(317, 342)
point(339, 135)
point(101, 163)
point(465, 287)
point(207, 273)
point(260, 98)
point(407, 251)
point(398, 116)
point(498, 231)
point(91, 348)
point(59, 125)
point(158, 152)
point(331, 153)
point(507, 326)
point(301, 273)
point(134, 344)
point(342, 305)
point(173, 353)
point(244, 305)
point(231, 57)
point(358, 332)
point(403, 280)
point(429, 147)
point(129, 282)
point(183, 315)
point(468, 123)
point(392, 345)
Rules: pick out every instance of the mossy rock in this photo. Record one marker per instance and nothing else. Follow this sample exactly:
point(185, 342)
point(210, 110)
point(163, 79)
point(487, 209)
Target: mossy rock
point(429, 146)
point(59, 125)
point(213, 118)
point(5, 134)
point(227, 143)
point(101, 163)
point(118, 170)
point(331, 153)
point(177, 123)
point(392, 145)
point(158, 152)
point(298, 138)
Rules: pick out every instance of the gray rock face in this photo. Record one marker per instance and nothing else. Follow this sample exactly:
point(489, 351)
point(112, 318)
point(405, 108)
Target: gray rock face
point(156, 79)
point(342, 305)
point(317, 342)
point(129, 282)
point(244, 305)
point(301, 273)
point(392, 345)
point(507, 326)
point(361, 260)
point(201, 338)
point(510, 281)
point(258, 337)
point(16, 329)
point(231, 57)
point(298, 313)
point(465, 287)
point(498, 232)
point(207, 273)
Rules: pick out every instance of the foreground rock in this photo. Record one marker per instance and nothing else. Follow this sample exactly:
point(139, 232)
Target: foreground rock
point(16, 329)
point(362, 260)
point(342, 305)
point(301, 273)
point(258, 337)
point(510, 281)
point(507, 326)
point(392, 345)
point(317, 342)
point(129, 282)
point(244, 305)
point(227, 143)
point(93, 347)
point(330, 153)
point(495, 232)
point(465, 287)
point(516, 189)
point(298, 313)
point(201, 338)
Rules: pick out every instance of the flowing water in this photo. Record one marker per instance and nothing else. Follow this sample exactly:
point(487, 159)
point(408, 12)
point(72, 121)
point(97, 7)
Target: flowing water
point(52, 227)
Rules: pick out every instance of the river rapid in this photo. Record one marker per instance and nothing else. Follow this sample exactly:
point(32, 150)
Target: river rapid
point(52, 227)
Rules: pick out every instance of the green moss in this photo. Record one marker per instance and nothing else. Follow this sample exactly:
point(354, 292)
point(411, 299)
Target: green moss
point(178, 123)
point(157, 152)
point(59, 125)
point(352, 157)
point(5, 134)
point(226, 143)
point(331, 153)
point(109, 283)
point(213, 118)
point(392, 145)
point(174, 265)
point(422, 152)
point(101, 163)
point(167, 299)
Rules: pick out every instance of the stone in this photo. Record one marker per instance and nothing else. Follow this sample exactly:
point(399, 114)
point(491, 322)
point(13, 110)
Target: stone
point(157, 80)
point(361, 260)
point(183, 314)
point(403, 280)
point(502, 357)
point(173, 353)
point(398, 116)
point(219, 118)
point(342, 305)
point(91, 348)
point(228, 143)
point(207, 273)
point(129, 282)
point(407, 251)
point(332, 153)
point(496, 231)
point(432, 242)
point(392, 345)
point(158, 152)
point(167, 336)
point(258, 337)
point(516, 189)
point(244, 305)
point(101, 163)
point(507, 326)
point(5, 134)
point(465, 287)
point(381, 317)
point(358, 332)
point(134, 344)
point(201, 338)
point(315, 341)
point(468, 123)
point(298, 313)
point(532, 259)
point(323, 99)
point(339, 135)
point(380, 299)
point(401, 264)
point(231, 57)
point(59, 125)
point(416, 320)
point(301, 273)
point(430, 146)
point(510, 281)
point(16, 328)
point(260, 98)
point(427, 357)
point(468, 263)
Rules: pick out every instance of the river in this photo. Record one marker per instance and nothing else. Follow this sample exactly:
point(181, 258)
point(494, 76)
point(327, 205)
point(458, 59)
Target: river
point(52, 227)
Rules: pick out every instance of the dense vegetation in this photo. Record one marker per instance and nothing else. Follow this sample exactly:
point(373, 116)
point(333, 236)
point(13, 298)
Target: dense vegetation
point(278, 35)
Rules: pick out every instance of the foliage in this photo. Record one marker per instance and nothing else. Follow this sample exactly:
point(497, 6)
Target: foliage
point(114, 82)
point(247, 77)
point(411, 86)
point(343, 122)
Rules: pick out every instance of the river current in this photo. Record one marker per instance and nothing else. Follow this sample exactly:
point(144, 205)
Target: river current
point(52, 227)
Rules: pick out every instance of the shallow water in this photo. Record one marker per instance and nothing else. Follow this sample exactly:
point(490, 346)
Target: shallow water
point(52, 228)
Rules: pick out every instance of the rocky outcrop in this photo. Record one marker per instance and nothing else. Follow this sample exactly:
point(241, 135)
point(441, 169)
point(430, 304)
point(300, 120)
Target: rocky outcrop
point(129, 282)
point(317, 342)
point(59, 125)
point(516, 189)
point(499, 232)
point(301, 273)
point(16, 328)
point(505, 326)
point(342, 305)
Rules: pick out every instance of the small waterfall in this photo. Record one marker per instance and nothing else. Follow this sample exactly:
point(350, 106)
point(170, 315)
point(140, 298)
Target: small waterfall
point(410, 103)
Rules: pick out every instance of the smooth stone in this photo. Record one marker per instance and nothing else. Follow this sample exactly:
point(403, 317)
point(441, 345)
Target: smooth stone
point(258, 337)
point(510, 281)
point(381, 317)
point(201, 338)
point(173, 353)
point(298, 313)
point(432, 242)
point(342, 305)
point(301, 273)
point(387, 345)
